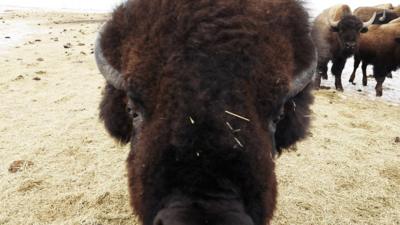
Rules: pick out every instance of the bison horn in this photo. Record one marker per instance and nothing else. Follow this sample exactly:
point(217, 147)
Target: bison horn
point(303, 79)
point(370, 21)
point(111, 75)
point(333, 24)
point(383, 17)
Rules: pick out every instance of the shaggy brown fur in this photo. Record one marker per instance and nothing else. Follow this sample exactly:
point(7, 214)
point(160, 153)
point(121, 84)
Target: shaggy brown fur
point(185, 63)
point(380, 48)
point(335, 44)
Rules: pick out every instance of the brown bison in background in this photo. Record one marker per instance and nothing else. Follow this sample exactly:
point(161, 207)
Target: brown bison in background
point(206, 92)
point(336, 32)
point(381, 48)
point(383, 16)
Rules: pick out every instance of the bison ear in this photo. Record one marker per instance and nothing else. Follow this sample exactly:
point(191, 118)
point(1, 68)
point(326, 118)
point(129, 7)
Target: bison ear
point(296, 121)
point(114, 114)
point(364, 30)
point(397, 39)
point(334, 29)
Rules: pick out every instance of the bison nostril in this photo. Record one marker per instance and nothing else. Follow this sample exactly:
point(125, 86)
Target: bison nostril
point(350, 45)
point(158, 222)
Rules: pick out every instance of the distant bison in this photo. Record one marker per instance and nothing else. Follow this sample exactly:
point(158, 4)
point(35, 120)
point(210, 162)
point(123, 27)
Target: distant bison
point(381, 48)
point(206, 92)
point(336, 32)
point(383, 16)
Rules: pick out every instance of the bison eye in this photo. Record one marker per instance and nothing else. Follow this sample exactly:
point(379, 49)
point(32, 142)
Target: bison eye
point(134, 113)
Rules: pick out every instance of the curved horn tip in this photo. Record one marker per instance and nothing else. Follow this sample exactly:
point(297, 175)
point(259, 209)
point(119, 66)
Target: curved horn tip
point(303, 79)
point(333, 24)
point(383, 17)
point(111, 75)
point(370, 21)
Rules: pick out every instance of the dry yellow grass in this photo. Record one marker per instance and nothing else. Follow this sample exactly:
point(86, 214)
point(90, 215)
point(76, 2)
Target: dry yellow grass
point(347, 172)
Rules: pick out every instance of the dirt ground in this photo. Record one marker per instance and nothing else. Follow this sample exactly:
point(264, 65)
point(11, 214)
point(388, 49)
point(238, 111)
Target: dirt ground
point(58, 165)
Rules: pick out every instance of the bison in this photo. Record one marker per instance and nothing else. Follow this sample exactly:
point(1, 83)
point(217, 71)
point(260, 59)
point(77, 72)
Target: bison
point(381, 48)
point(383, 15)
point(336, 32)
point(206, 92)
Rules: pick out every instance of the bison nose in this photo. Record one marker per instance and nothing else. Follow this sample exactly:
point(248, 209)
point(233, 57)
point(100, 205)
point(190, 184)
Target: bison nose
point(161, 221)
point(184, 217)
point(350, 45)
point(176, 216)
point(158, 221)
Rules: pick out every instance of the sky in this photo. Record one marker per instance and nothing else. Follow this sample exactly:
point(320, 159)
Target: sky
point(315, 6)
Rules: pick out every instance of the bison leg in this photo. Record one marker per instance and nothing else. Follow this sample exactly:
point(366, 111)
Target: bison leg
point(317, 81)
point(364, 71)
point(357, 61)
point(323, 69)
point(378, 87)
point(337, 68)
point(380, 76)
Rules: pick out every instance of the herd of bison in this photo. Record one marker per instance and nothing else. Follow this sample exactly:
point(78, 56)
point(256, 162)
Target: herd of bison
point(371, 34)
point(208, 93)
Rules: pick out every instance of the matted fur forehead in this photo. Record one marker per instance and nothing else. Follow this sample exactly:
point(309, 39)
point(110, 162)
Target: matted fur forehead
point(239, 39)
point(203, 84)
point(350, 22)
point(215, 51)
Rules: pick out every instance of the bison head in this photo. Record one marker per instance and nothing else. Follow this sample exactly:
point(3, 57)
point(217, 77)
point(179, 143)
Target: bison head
point(204, 120)
point(349, 29)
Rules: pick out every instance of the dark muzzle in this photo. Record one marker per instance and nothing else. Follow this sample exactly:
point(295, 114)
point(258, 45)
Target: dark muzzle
point(210, 211)
point(191, 216)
